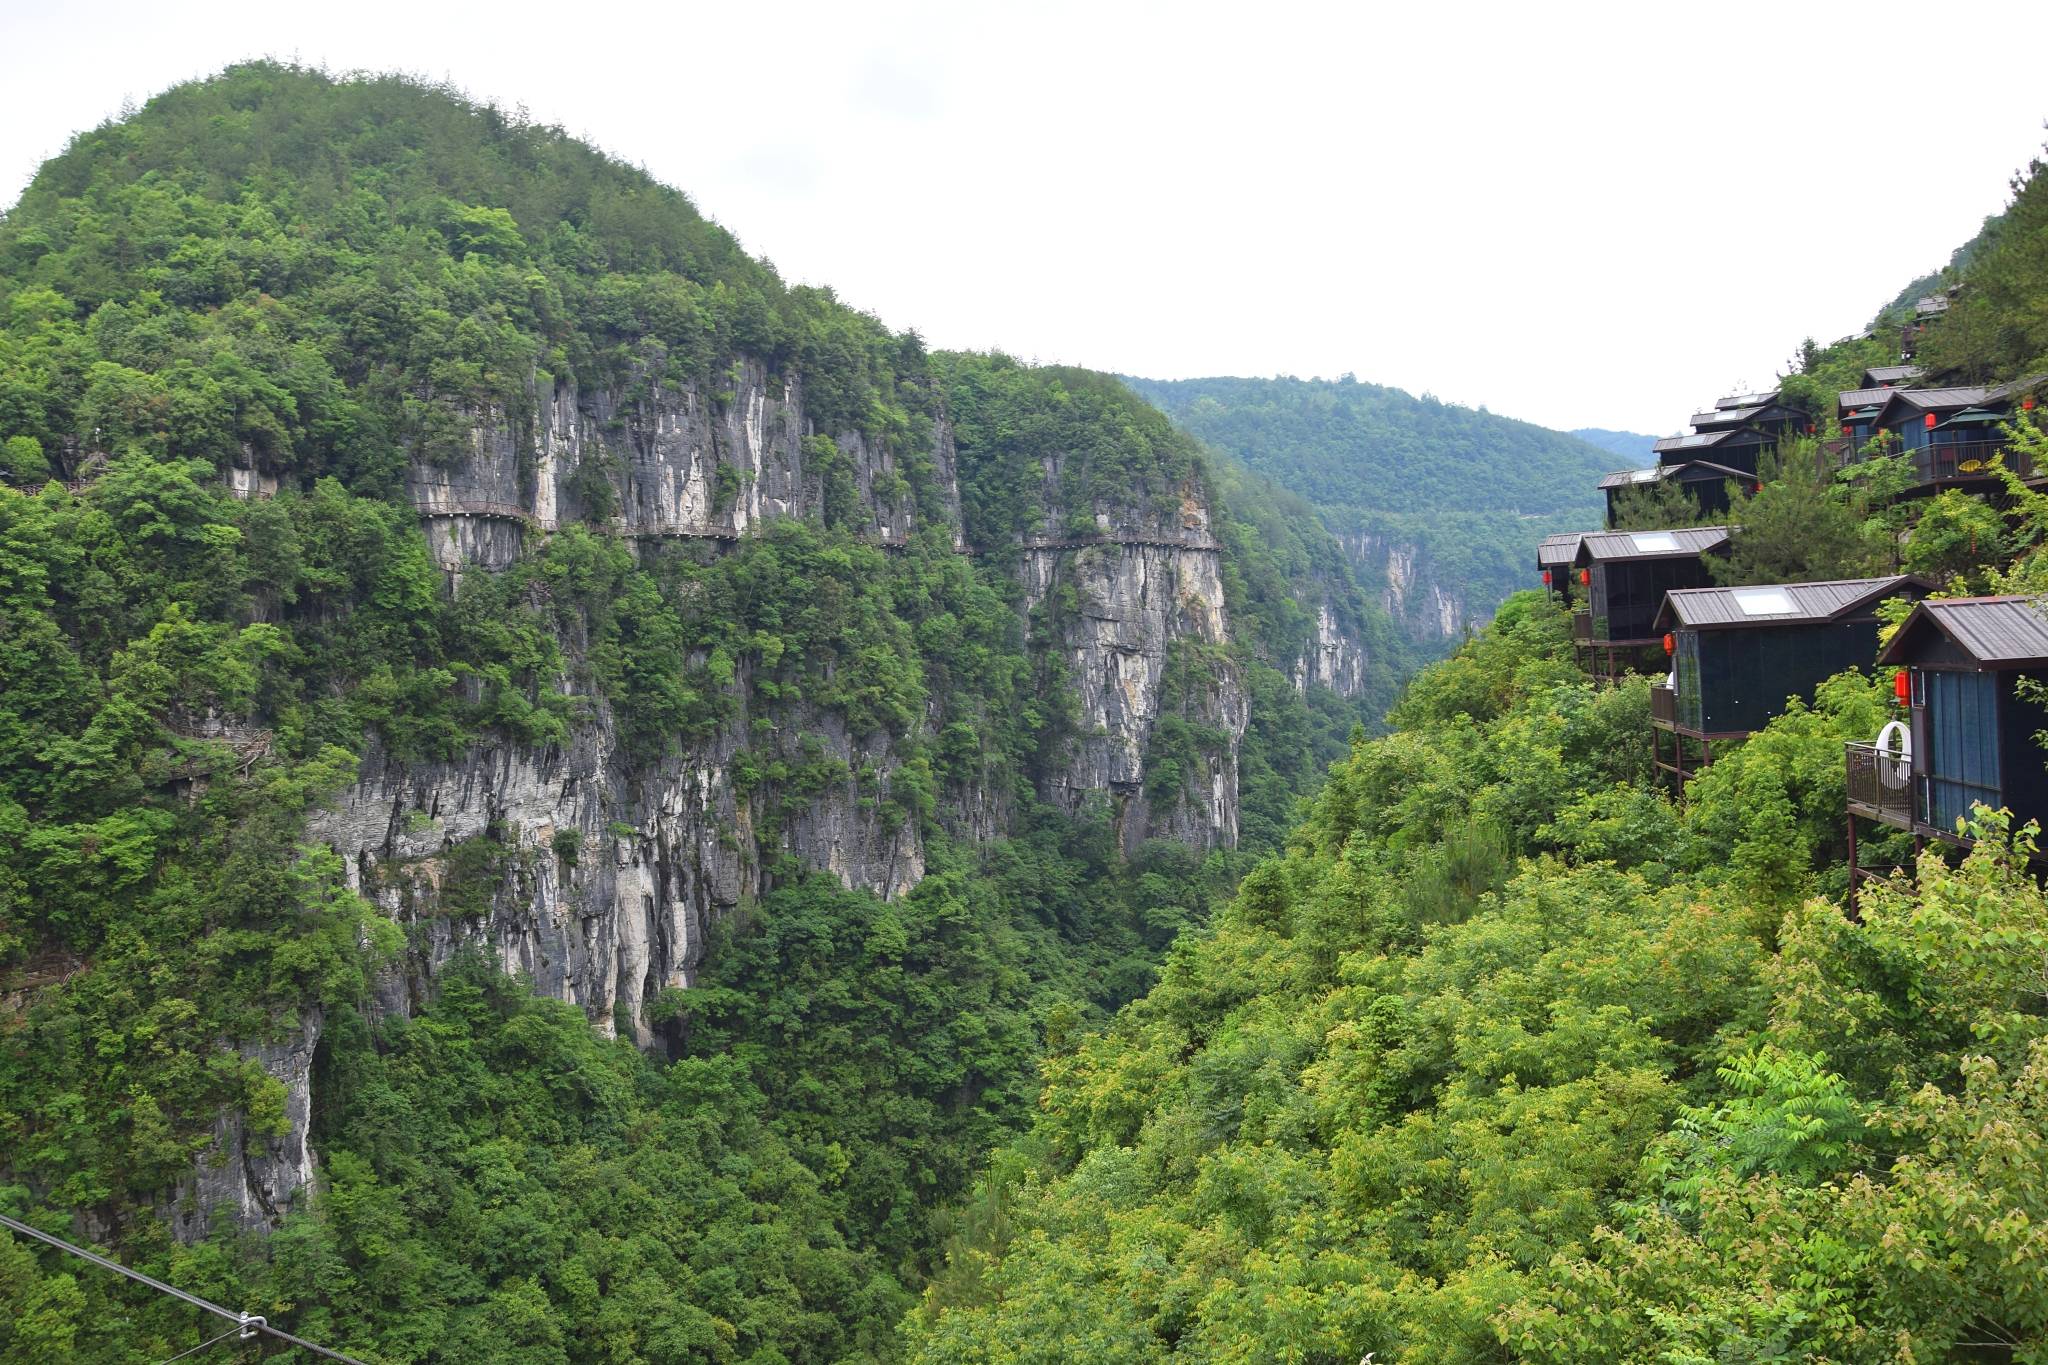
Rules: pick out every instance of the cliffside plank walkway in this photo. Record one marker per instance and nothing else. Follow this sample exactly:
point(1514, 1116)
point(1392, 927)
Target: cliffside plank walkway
point(1203, 543)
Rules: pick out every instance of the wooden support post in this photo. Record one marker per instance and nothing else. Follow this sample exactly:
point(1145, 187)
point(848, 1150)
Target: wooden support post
point(1855, 873)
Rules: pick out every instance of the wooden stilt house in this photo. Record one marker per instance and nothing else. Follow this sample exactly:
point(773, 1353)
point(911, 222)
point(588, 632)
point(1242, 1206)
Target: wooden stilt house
point(1736, 433)
point(1737, 655)
point(1706, 483)
point(1966, 669)
point(1554, 559)
point(1625, 575)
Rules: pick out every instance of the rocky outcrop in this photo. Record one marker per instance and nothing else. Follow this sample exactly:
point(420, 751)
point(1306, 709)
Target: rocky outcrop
point(1334, 657)
point(1427, 609)
point(596, 877)
point(1113, 602)
point(596, 873)
point(254, 1176)
point(669, 461)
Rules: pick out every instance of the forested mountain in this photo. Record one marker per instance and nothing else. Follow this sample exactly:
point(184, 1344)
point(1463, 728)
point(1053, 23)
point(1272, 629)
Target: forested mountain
point(564, 800)
point(1437, 505)
point(552, 786)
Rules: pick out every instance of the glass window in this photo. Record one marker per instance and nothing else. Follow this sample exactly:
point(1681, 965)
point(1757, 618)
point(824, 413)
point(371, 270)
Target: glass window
point(1764, 602)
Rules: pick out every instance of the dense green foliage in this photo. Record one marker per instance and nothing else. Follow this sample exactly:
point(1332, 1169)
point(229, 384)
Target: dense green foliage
point(326, 282)
point(1508, 1058)
point(1473, 491)
point(1997, 327)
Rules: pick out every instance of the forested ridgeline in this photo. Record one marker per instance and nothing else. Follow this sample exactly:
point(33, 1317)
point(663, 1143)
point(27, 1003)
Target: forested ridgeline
point(329, 294)
point(1437, 504)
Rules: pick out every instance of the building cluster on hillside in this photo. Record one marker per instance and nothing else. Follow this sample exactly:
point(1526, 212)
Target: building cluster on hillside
point(1967, 672)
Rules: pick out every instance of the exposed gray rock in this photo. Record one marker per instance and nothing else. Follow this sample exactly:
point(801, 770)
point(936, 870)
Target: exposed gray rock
point(1335, 658)
point(1427, 608)
point(255, 1177)
point(596, 873)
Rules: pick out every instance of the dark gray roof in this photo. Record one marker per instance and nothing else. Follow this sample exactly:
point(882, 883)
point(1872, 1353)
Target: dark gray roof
point(1683, 543)
point(1726, 416)
point(1560, 549)
point(1699, 440)
point(1891, 374)
point(1708, 608)
point(1934, 400)
point(1658, 473)
point(1746, 400)
point(1995, 631)
point(1858, 398)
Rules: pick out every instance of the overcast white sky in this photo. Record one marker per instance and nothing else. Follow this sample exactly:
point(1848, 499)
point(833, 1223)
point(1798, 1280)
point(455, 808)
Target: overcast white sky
point(1581, 215)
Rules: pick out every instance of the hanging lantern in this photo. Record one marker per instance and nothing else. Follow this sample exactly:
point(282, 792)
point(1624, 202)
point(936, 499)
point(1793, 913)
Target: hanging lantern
point(1902, 687)
point(1585, 578)
point(1756, 488)
point(1546, 578)
point(1930, 421)
point(1670, 644)
point(2027, 403)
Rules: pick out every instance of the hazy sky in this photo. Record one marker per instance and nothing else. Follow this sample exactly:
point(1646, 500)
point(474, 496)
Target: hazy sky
point(1581, 215)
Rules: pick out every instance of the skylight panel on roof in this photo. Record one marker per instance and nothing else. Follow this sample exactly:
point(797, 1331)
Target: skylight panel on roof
point(1654, 542)
point(1764, 602)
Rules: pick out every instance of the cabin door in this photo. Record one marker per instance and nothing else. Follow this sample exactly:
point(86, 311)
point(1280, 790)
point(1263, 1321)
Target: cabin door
point(1955, 725)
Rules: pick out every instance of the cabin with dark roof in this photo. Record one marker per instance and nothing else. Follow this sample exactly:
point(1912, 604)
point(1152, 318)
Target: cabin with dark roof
point(1708, 485)
point(1927, 310)
point(1737, 654)
point(1554, 558)
point(1969, 737)
point(1736, 432)
point(1625, 575)
point(1953, 435)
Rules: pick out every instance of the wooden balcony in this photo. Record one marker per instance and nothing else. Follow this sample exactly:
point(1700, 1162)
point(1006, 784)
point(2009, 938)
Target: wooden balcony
point(1872, 792)
point(1582, 627)
point(1664, 706)
point(1960, 461)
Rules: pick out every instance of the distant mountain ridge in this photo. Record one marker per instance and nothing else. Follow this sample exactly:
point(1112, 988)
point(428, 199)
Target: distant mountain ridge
point(1632, 446)
point(1438, 505)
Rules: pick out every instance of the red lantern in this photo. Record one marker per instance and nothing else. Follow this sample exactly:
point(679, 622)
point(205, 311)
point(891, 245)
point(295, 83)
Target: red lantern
point(1585, 577)
point(2027, 403)
point(1670, 644)
point(1930, 421)
point(1546, 578)
point(1901, 687)
point(1756, 488)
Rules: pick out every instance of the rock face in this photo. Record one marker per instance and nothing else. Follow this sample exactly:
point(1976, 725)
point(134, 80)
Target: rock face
point(255, 1175)
point(597, 872)
point(1427, 608)
point(1335, 658)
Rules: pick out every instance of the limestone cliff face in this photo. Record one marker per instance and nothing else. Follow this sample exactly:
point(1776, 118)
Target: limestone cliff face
point(1428, 609)
point(597, 872)
point(1114, 603)
point(1334, 657)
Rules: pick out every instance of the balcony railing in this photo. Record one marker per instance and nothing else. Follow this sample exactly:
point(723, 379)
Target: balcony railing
point(1877, 785)
point(1969, 460)
point(1664, 705)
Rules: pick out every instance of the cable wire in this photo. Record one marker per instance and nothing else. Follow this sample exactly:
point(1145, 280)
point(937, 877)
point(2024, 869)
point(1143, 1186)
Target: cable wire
point(246, 1323)
point(203, 1345)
